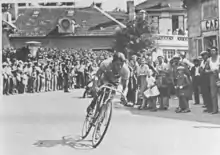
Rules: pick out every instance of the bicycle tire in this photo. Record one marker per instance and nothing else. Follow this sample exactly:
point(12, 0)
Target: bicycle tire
point(88, 130)
point(93, 119)
point(109, 103)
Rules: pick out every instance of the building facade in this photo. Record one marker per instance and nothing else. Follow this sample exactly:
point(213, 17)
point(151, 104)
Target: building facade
point(203, 17)
point(64, 26)
point(170, 20)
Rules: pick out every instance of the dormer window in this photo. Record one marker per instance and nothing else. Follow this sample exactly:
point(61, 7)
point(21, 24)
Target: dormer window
point(35, 14)
point(70, 13)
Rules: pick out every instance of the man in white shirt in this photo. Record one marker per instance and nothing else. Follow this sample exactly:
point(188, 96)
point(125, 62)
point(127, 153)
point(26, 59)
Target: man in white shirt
point(205, 86)
point(185, 60)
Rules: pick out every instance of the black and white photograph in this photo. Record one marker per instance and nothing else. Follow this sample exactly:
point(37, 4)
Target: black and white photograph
point(110, 77)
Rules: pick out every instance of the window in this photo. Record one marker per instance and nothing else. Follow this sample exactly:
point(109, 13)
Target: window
point(50, 4)
point(168, 53)
point(21, 4)
point(210, 9)
point(209, 42)
point(155, 22)
point(177, 22)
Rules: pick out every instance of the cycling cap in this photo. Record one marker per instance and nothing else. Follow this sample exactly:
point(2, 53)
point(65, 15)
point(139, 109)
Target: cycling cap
point(119, 56)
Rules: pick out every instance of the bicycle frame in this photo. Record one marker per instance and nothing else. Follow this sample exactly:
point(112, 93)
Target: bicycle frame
point(109, 90)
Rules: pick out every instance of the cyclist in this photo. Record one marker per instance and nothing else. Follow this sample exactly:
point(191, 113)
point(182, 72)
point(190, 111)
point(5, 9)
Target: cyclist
point(113, 70)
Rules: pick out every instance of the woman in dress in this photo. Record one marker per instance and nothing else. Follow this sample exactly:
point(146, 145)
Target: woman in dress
point(142, 72)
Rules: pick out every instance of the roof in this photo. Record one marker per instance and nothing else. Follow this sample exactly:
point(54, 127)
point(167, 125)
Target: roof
point(88, 19)
point(5, 23)
point(161, 3)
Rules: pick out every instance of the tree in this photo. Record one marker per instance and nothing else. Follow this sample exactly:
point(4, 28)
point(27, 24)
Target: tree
point(138, 35)
point(184, 4)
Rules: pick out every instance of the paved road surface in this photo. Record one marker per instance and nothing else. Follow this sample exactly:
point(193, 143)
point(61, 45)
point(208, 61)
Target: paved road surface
point(34, 124)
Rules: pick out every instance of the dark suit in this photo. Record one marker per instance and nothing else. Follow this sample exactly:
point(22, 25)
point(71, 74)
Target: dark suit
point(196, 80)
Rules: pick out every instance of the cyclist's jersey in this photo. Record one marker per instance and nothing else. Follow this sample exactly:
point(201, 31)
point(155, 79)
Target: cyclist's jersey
point(108, 75)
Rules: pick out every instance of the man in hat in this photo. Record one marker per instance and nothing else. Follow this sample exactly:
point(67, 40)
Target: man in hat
point(174, 63)
point(205, 86)
point(196, 80)
point(161, 64)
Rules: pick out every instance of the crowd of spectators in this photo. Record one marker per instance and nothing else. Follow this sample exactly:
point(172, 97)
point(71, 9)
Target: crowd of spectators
point(53, 69)
point(150, 83)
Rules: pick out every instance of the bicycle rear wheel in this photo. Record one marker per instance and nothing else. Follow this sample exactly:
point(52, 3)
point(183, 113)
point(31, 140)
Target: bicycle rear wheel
point(87, 126)
point(89, 122)
point(104, 119)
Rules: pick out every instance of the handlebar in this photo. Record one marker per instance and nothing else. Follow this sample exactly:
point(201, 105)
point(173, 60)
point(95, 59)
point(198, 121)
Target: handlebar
point(111, 88)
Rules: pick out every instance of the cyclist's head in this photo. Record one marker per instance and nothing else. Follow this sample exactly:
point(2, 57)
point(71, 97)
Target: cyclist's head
point(118, 61)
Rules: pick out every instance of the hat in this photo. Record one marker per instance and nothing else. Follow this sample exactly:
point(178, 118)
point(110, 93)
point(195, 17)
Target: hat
point(215, 48)
point(20, 62)
point(176, 56)
point(196, 59)
point(143, 61)
point(159, 56)
point(199, 57)
point(133, 56)
point(180, 68)
point(4, 64)
point(204, 52)
point(182, 52)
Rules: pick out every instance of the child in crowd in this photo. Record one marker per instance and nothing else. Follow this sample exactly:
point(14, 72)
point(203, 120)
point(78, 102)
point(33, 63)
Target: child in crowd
point(183, 86)
point(151, 93)
point(163, 85)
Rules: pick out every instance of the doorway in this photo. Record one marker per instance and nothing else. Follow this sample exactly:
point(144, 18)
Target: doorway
point(211, 41)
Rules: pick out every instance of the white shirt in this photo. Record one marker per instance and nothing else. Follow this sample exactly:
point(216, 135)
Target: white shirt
point(190, 64)
point(214, 65)
point(197, 71)
point(143, 70)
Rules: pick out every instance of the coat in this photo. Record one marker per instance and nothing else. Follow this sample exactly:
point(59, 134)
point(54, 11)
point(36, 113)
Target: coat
point(184, 81)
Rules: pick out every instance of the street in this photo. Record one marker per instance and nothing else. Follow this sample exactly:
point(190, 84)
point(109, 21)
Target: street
point(50, 124)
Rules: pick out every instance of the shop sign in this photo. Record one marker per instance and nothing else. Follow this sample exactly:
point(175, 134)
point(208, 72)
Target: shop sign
point(210, 25)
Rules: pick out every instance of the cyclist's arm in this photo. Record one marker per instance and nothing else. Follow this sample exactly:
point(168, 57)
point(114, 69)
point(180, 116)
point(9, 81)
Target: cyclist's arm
point(124, 83)
point(98, 75)
point(125, 80)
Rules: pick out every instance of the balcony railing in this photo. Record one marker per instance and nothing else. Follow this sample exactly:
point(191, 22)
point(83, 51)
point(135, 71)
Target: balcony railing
point(172, 37)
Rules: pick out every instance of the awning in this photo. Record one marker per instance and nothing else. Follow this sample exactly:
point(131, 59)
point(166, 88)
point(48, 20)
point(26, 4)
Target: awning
point(33, 42)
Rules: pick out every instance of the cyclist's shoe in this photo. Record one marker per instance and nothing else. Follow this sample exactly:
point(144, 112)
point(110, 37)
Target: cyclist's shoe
point(124, 101)
point(90, 111)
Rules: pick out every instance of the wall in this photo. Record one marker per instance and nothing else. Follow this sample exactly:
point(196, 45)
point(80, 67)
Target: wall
point(67, 42)
point(194, 17)
point(194, 28)
point(165, 23)
point(5, 39)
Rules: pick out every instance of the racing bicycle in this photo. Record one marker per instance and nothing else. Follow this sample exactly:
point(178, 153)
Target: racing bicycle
point(102, 114)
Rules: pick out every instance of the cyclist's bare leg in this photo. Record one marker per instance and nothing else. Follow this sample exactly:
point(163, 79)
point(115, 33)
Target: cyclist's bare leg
point(92, 104)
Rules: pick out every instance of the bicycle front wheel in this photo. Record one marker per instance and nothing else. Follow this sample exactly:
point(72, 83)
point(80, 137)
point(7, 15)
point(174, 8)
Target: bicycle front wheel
point(102, 123)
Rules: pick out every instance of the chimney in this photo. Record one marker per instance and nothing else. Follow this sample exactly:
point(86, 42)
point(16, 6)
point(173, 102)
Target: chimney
point(99, 5)
point(131, 9)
